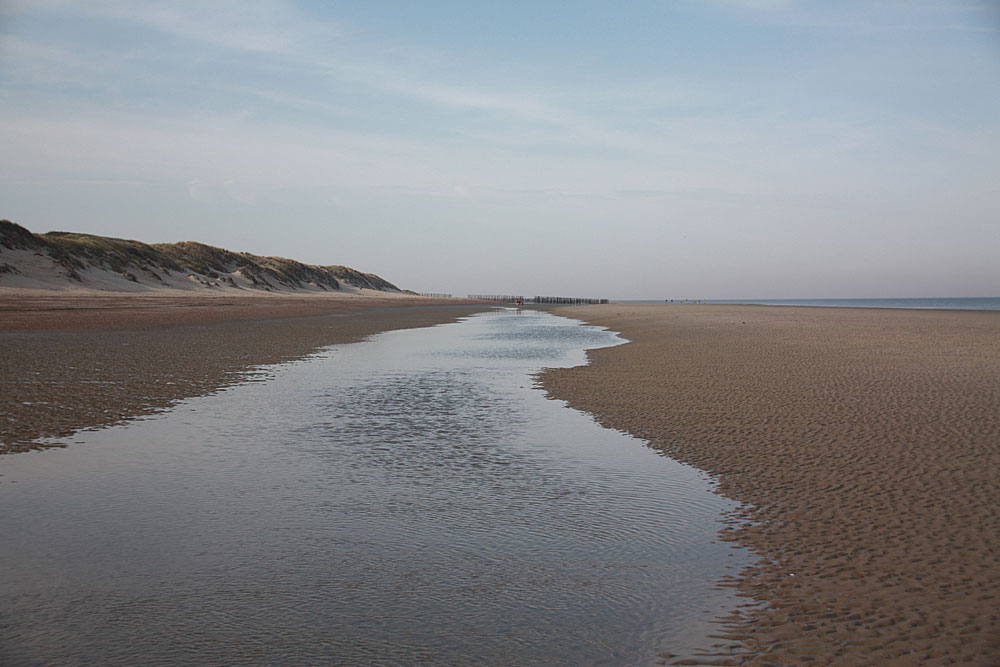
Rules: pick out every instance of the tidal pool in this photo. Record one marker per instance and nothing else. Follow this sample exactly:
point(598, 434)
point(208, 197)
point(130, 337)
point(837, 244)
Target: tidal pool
point(408, 499)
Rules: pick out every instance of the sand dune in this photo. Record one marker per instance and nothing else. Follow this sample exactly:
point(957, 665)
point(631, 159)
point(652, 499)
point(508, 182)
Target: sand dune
point(62, 261)
point(119, 328)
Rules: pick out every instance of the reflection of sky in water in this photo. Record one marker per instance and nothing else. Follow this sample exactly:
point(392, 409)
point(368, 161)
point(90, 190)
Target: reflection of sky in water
point(405, 499)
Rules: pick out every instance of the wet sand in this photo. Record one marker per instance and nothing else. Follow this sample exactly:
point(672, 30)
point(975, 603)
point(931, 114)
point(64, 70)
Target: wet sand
point(50, 310)
point(865, 445)
point(69, 362)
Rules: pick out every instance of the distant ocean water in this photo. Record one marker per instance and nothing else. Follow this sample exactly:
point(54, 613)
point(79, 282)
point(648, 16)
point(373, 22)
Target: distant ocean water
point(961, 303)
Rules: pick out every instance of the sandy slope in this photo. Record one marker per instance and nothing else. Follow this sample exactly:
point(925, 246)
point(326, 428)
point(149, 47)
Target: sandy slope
point(866, 445)
point(67, 261)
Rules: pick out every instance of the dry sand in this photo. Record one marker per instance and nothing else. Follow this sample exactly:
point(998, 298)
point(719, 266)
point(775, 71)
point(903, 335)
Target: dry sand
point(865, 445)
point(81, 360)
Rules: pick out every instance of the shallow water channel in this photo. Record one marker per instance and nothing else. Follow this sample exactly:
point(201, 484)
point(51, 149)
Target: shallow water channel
point(408, 499)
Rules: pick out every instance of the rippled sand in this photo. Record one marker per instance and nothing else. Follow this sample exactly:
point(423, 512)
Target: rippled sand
point(866, 446)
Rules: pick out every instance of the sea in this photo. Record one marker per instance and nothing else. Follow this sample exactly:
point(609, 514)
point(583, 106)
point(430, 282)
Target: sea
point(935, 303)
point(411, 499)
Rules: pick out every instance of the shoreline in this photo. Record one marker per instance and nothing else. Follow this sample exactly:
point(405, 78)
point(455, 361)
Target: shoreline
point(72, 363)
point(863, 446)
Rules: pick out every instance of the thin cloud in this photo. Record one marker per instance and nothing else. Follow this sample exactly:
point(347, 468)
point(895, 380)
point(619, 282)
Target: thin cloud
point(260, 27)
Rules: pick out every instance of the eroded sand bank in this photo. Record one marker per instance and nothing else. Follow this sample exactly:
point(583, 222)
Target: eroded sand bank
point(866, 446)
point(73, 361)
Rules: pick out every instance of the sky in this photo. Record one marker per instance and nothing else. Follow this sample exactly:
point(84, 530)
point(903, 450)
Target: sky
point(661, 149)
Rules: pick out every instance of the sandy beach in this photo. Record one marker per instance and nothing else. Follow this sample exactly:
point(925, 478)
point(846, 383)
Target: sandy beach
point(70, 361)
point(865, 447)
point(864, 444)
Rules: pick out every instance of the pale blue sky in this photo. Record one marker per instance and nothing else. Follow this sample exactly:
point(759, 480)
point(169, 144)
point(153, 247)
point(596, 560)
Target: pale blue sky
point(670, 149)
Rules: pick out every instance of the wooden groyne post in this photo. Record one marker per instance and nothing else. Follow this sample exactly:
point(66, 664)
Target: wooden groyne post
point(568, 300)
point(561, 300)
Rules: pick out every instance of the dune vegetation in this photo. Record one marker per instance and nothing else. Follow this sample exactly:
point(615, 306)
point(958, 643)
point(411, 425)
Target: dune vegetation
point(164, 263)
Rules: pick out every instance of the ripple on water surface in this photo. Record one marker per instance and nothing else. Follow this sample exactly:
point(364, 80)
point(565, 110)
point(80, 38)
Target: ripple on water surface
point(406, 499)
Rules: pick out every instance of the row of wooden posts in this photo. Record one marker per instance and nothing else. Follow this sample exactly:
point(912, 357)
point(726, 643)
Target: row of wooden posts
point(507, 298)
point(567, 299)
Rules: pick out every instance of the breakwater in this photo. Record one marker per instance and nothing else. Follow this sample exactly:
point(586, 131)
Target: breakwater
point(576, 301)
point(509, 298)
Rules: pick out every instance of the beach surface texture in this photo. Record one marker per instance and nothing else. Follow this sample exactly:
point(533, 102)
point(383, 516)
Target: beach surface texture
point(864, 445)
point(85, 359)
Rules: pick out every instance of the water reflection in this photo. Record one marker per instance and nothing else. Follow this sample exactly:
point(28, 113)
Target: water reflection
point(408, 499)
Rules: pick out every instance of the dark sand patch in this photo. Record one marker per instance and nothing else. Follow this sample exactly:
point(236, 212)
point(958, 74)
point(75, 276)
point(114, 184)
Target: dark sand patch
point(69, 363)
